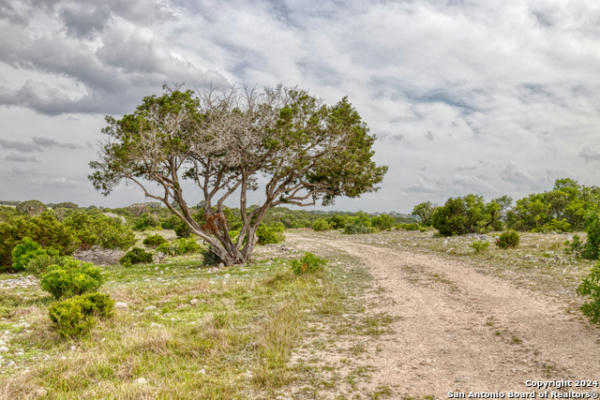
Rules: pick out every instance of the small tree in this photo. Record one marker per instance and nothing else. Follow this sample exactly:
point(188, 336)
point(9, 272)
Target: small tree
point(223, 142)
point(424, 211)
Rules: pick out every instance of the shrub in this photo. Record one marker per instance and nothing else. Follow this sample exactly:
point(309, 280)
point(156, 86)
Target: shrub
point(469, 214)
point(424, 211)
point(72, 278)
point(182, 230)
point(95, 228)
point(25, 251)
point(186, 246)
point(269, 235)
point(136, 256)
point(309, 263)
point(337, 221)
point(508, 239)
point(320, 225)
point(31, 207)
point(574, 246)
point(590, 288)
point(74, 317)
point(40, 263)
point(166, 249)
point(382, 222)
point(144, 222)
point(409, 227)
point(154, 241)
point(480, 246)
point(592, 244)
point(210, 258)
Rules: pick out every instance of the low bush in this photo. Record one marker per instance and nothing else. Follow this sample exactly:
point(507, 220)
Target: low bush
point(508, 239)
point(40, 263)
point(136, 256)
point(154, 241)
point(361, 223)
point(591, 249)
point(72, 278)
point(26, 250)
point(182, 230)
point(210, 258)
point(337, 221)
point(574, 246)
point(308, 263)
point(186, 246)
point(382, 222)
point(144, 222)
point(480, 246)
point(590, 288)
point(321, 225)
point(270, 234)
point(74, 317)
point(409, 227)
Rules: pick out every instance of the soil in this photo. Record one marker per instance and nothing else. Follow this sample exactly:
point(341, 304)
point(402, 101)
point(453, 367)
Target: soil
point(457, 329)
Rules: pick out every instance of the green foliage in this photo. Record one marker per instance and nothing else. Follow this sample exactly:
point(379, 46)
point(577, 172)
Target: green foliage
point(337, 221)
point(182, 230)
point(424, 211)
point(154, 240)
point(95, 228)
point(136, 256)
point(382, 222)
point(270, 234)
point(186, 246)
point(74, 317)
point(170, 222)
point(146, 221)
point(308, 263)
point(590, 288)
point(480, 246)
point(209, 258)
point(591, 250)
point(508, 239)
point(40, 263)
point(360, 223)
point(71, 278)
point(31, 207)
point(409, 227)
point(467, 214)
point(24, 252)
point(564, 208)
point(574, 246)
point(321, 225)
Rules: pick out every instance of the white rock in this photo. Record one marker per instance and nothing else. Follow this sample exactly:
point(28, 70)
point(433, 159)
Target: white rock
point(150, 308)
point(141, 381)
point(194, 301)
point(3, 349)
point(202, 371)
point(221, 265)
point(226, 276)
point(120, 304)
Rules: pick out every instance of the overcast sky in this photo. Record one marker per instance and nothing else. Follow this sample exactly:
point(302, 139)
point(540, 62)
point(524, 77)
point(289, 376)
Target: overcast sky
point(488, 97)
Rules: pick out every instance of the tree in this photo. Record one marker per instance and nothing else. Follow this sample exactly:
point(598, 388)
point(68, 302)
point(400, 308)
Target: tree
point(424, 211)
point(224, 142)
point(31, 207)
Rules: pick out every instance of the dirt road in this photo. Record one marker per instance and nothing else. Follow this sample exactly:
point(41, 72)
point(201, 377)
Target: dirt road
point(460, 330)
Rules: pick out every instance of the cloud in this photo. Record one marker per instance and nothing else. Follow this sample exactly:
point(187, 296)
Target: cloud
point(589, 155)
point(19, 146)
point(20, 158)
point(512, 173)
point(45, 142)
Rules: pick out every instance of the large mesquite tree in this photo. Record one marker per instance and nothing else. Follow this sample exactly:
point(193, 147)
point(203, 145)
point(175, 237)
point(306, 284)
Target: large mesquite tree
point(224, 142)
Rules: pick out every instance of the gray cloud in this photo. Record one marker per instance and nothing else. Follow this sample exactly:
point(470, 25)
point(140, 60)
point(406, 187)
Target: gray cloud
point(45, 142)
point(19, 146)
point(20, 158)
point(513, 174)
point(589, 155)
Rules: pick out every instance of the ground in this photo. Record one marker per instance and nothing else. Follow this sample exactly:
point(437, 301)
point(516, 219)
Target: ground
point(394, 315)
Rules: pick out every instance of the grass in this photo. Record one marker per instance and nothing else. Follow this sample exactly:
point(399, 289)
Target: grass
point(187, 331)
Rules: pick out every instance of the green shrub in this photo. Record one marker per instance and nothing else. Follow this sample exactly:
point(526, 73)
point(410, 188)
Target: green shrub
point(360, 223)
point(337, 221)
point(72, 278)
point(210, 258)
point(590, 288)
point(469, 214)
point(424, 211)
point(309, 263)
point(409, 227)
point(320, 225)
point(24, 252)
point(592, 244)
point(40, 263)
point(144, 222)
point(574, 246)
point(95, 228)
point(167, 249)
point(269, 234)
point(31, 207)
point(382, 222)
point(508, 239)
point(136, 256)
point(480, 246)
point(186, 246)
point(182, 230)
point(154, 240)
point(74, 317)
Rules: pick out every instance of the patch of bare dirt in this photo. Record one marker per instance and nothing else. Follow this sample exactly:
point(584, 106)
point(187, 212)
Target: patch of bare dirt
point(456, 329)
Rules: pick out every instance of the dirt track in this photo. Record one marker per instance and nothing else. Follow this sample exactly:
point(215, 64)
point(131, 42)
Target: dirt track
point(461, 330)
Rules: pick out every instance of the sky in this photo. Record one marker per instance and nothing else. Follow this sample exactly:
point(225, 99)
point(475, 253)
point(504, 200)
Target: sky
point(487, 97)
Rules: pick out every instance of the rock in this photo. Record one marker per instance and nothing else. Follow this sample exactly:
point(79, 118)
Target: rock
point(3, 349)
point(120, 304)
point(150, 308)
point(194, 301)
point(39, 392)
point(202, 371)
point(226, 276)
point(141, 381)
point(221, 265)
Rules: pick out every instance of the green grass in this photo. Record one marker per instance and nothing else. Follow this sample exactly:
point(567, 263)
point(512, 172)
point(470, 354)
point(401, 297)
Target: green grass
point(209, 333)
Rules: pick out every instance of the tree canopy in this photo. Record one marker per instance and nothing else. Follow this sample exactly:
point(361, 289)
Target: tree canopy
point(224, 142)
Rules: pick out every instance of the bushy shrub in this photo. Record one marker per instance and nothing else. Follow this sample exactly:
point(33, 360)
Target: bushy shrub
point(469, 214)
point(574, 246)
point(409, 227)
point(95, 228)
point(480, 246)
point(40, 263)
point(590, 288)
point(382, 222)
point(592, 245)
point(74, 317)
point(269, 234)
point(31, 207)
point(186, 246)
point(24, 252)
point(170, 222)
point(508, 239)
point(308, 263)
point(424, 211)
point(361, 223)
point(337, 221)
point(210, 258)
point(167, 249)
point(72, 278)
point(136, 256)
point(320, 225)
point(154, 240)
point(182, 230)
point(144, 222)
